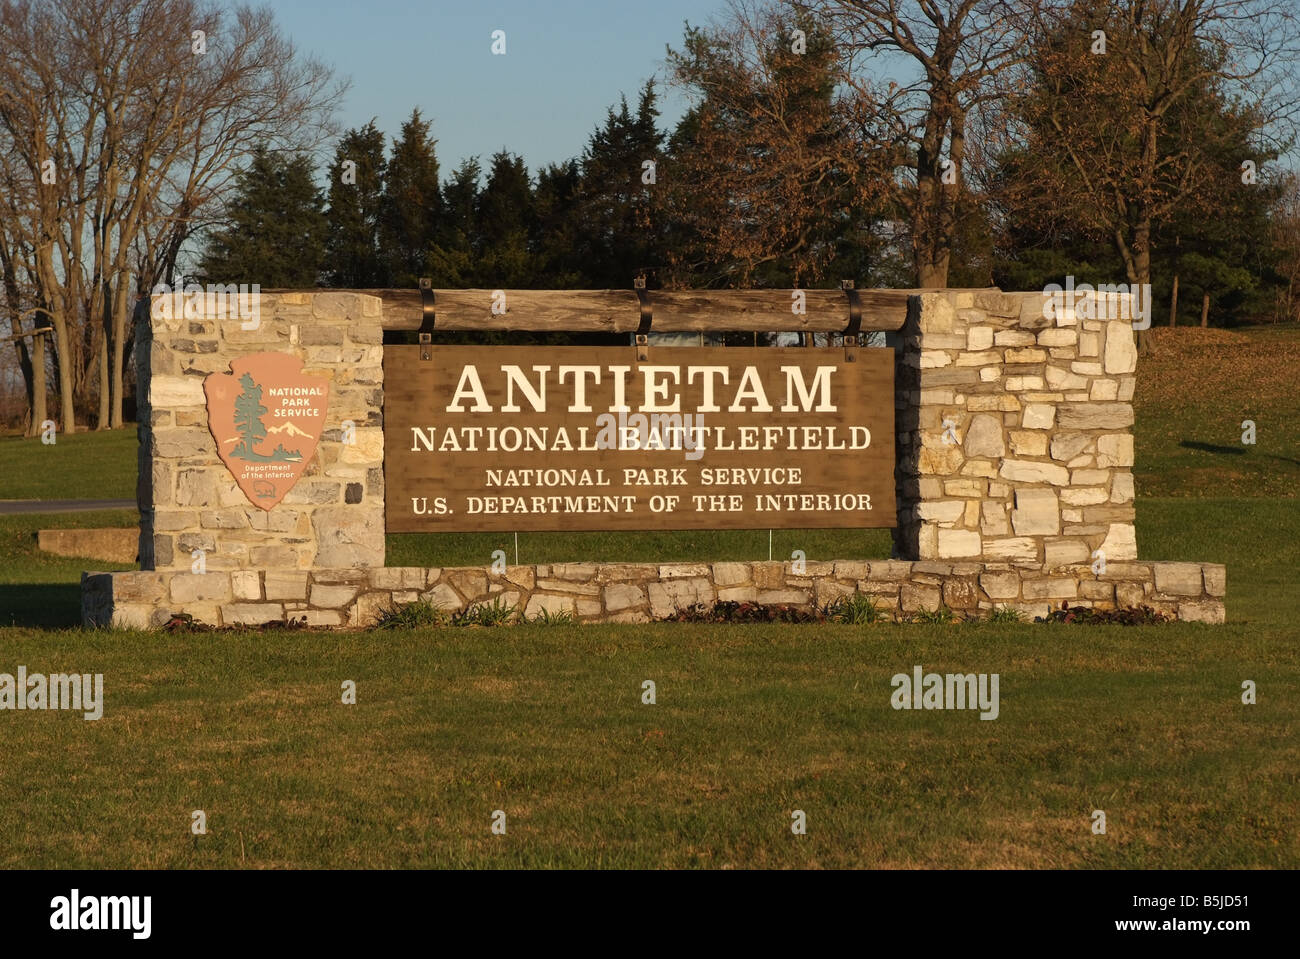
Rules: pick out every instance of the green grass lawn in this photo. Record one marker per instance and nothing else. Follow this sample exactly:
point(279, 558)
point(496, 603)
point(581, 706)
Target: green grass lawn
point(1194, 393)
point(751, 722)
point(74, 466)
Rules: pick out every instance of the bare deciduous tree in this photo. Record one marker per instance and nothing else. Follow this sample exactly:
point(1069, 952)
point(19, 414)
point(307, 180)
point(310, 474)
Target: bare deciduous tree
point(121, 124)
point(943, 57)
point(771, 166)
point(1124, 112)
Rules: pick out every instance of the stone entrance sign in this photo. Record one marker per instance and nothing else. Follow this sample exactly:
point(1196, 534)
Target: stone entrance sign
point(498, 438)
point(1011, 457)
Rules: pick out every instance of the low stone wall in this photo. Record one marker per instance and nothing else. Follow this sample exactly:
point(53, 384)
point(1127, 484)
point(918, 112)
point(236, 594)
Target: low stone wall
point(638, 593)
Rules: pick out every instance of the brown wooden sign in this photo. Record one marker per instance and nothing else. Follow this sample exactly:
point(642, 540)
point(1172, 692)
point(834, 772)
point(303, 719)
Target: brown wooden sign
point(588, 438)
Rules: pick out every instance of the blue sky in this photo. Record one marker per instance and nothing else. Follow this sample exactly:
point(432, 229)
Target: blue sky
point(566, 63)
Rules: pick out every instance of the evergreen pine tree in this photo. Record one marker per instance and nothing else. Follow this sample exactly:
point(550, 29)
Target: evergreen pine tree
point(622, 231)
point(452, 262)
point(352, 245)
point(505, 220)
point(274, 232)
point(412, 203)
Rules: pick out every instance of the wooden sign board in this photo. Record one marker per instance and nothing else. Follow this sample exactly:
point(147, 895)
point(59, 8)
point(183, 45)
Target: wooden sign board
point(588, 438)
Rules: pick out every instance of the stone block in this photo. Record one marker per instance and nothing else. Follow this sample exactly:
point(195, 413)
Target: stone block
point(470, 583)
point(349, 536)
point(1049, 588)
point(1128, 595)
point(769, 575)
point(955, 543)
point(1084, 497)
point(246, 585)
point(960, 593)
point(1028, 443)
point(1208, 612)
point(1120, 542)
point(320, 617)
point(1115, 449)
point(1121, 487)
point(1095, 416)
point(1029, 471)
point(944, 511)
point(1001, 585)
point(193, 587)
point(332, 597)
point(993, 519)
point(621, 596)
point(252, 614)
point(681, 593)
point(1038, 416)
point(984, 436)
point(683, 570)
point(1177, 579)
point(398, 577)
point(1016, 549)
point(1121, 348)
point(916, 596)
point(730, 574)
point(1216, 578)
point(1064, 552)
point(283, 584)
point(1036, 512)
point(737, 594)
point(525, 577)
point(443, 596)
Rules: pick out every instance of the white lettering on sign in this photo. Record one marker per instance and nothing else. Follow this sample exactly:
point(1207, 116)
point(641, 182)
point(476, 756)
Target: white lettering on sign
point(661, 389)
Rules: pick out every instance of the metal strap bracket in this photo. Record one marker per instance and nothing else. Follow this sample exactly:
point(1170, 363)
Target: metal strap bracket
point(428, 316)
point(642, 338)
point(853, 330)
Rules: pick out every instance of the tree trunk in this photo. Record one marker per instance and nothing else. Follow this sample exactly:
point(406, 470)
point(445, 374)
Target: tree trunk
point(40, 411)
point(121, 316)
point(101, 419)
point(1205, 311)
point(1173, 304)
point(1141, 275)
point(65, 375)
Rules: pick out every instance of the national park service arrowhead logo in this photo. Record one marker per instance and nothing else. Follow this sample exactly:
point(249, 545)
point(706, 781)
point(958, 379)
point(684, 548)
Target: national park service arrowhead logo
point(266, 416)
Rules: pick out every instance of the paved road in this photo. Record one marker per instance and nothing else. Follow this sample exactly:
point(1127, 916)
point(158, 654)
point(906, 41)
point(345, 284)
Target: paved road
point(10, 506)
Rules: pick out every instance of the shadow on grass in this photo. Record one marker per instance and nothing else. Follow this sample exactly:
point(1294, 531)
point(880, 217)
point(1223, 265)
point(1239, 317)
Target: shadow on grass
point(1212, 448)
point(43, 605)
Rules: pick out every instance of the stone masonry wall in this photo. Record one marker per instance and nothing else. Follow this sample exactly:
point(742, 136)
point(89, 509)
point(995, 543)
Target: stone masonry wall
point(1015, 455)
point(188, 500)
point(637, 593)
point(1015, 432)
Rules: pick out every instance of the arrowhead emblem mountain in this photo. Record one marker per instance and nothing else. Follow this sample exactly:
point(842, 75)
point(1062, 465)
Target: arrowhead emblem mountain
point(266, 416)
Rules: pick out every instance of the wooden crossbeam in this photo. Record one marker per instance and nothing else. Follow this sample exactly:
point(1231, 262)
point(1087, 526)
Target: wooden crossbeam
point(617, 311)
